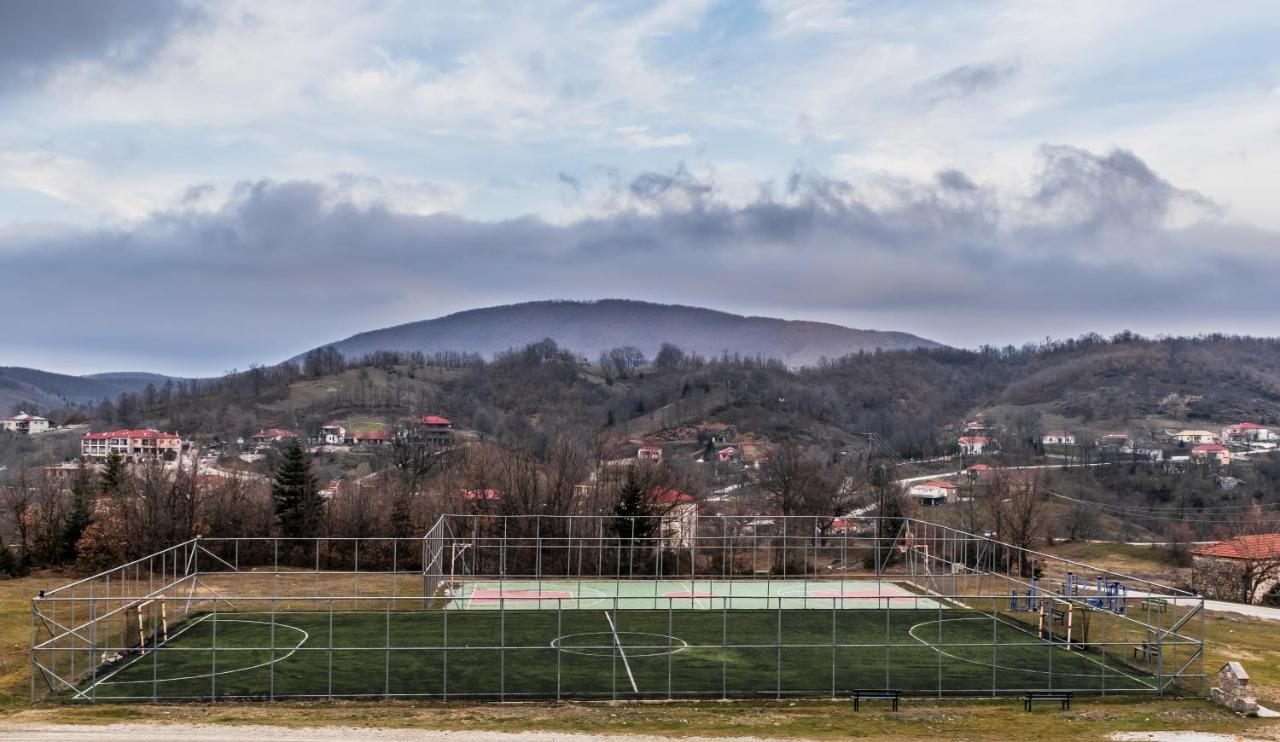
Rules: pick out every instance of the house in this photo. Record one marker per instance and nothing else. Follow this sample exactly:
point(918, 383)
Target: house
point(1195, 436)
point(133, 445)
point(727, 454)
point(975, 427)
point(1248, 432)
point(1115, 442)
point(272, 435)
point(1227, 484)
point(371, 438)
point(933, 492)
point(649, 453)
point(25, 424)
point(1058, 438)
point(432, 429)
point(679, 517)
point(1244, 569)
point(1215, 452)
point(333, 434)
point(977, 444)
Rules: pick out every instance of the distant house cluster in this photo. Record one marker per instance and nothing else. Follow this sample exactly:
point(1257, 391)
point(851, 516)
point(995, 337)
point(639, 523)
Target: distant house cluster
point(430, 429)
point(132, 445)
point(25, 424)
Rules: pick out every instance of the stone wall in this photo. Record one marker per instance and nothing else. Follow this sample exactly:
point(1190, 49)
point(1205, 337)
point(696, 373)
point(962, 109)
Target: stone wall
point(1232, 690)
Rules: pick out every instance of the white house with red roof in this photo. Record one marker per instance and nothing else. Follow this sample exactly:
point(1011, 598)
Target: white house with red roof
point(977, 444)
point(933, 492)
point(131, 444)
point(679, 516)
point(1248, 432)
point(25, 424)
point(1059, 438)
point(333, 434)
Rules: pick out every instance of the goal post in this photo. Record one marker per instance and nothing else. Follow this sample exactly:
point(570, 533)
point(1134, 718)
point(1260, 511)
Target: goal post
point(152, 617)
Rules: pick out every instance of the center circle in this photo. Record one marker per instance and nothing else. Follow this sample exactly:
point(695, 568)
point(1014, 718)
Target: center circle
point(606, 643)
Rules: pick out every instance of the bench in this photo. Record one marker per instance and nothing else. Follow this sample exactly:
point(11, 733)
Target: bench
point(1051, 695)
point(877, 694)
point(1148, 651)
point(1156, 605)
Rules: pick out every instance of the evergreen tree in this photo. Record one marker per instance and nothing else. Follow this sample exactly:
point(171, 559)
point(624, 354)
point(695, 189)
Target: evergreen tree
point(8, 562)
point(633, 521)
point(114, 476)
point(83, 501)
point(299, 507)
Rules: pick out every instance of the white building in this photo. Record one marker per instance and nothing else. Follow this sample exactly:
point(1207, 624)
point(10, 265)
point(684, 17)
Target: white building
point(679, 522)
point(1195, 436)
point(25, 424)
point(333, 434)
point(133, 445)
point(1248, 432)
point(1059, 438)
point(934, 492)
point(977, 444)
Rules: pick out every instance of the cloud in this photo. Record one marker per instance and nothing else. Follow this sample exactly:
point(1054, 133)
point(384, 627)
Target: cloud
point(285, 265)
point(965, 81)
point(37, 39)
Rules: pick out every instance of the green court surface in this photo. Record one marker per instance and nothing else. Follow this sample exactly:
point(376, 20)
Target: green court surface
point(603, 654)
point(704, 594)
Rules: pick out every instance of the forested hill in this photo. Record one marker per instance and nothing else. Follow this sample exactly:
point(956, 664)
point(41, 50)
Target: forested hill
point(32, 389)
point(588, 328)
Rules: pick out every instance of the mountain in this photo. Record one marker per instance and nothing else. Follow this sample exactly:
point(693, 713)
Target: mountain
point(29, 388)
point(589, 327)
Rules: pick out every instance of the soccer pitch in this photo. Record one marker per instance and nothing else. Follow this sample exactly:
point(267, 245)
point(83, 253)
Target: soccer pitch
point(605, 640)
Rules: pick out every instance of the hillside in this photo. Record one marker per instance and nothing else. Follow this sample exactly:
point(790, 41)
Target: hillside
point(29, 388)
point(587, 328)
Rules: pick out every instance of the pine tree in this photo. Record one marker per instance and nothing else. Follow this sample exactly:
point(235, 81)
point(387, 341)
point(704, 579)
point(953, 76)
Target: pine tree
point(114, 476)
point(8, 562)
point(633, 521)
point(299, 507)
point(83, 500)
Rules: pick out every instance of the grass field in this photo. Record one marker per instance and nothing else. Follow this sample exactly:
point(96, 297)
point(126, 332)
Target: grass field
point(602, 654)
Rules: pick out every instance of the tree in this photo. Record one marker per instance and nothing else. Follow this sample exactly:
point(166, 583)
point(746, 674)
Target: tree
point(298, 505)
point(8, 562)
point(633, 515)
point(114, 477)
point(83, 503)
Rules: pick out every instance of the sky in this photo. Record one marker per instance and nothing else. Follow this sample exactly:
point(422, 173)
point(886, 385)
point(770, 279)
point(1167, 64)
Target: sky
point(193, 187)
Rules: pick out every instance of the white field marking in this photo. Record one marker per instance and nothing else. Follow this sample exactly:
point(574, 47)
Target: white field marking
point(1082, 654)
point(139, 656)
point(693, 595)
point(657, 649)
point(912, 632)
point(618, 641)
point(285, 656)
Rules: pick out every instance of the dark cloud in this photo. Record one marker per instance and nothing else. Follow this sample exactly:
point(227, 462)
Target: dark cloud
point(38, 37)
point(965, 81)
point(286, 266)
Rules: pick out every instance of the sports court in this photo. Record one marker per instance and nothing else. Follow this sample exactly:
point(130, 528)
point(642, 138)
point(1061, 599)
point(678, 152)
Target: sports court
point(481, 609)
point(691, 594)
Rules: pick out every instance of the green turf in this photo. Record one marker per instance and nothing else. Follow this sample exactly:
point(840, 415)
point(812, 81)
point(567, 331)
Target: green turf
point(669, 654)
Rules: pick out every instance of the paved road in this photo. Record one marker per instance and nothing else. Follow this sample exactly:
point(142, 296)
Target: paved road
point(230, 733)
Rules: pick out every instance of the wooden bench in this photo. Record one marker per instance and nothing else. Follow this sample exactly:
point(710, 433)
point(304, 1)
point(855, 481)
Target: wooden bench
point(1046, 695)
point(1147, 651)
point(1156, 605)
point(877, 694)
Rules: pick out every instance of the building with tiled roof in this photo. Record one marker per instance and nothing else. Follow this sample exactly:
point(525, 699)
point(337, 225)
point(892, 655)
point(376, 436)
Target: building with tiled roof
point(25, 424)
point(1244, 569)
point(131, 444)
